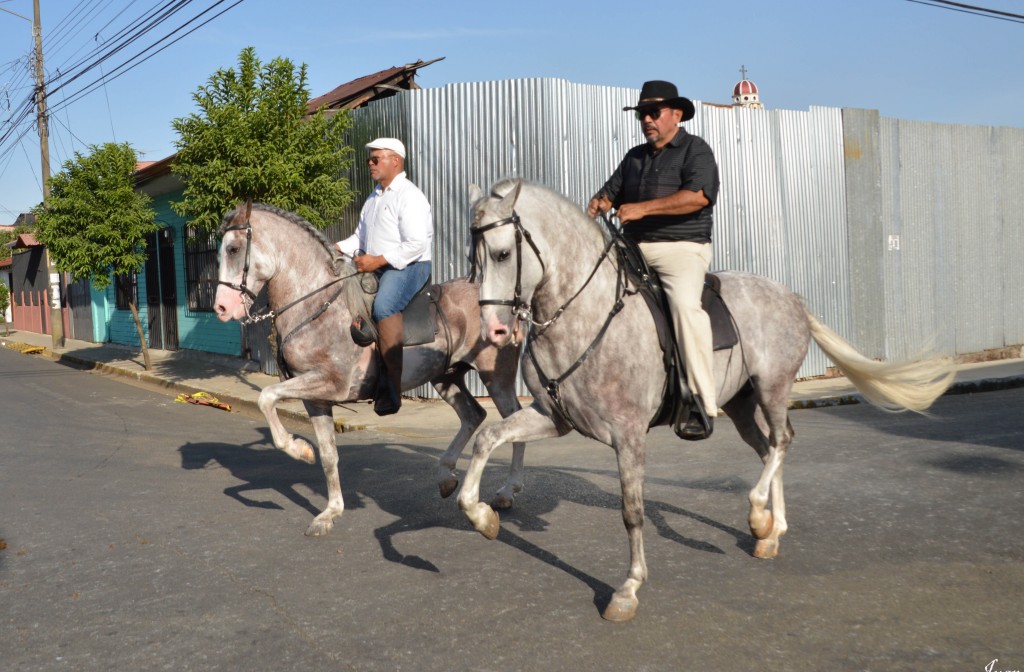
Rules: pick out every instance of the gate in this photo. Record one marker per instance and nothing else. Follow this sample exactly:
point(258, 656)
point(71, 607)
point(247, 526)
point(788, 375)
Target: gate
point(161, 291)
point(80, 307)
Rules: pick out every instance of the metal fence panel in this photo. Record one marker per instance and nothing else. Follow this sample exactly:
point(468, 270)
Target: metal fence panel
point(945, 195)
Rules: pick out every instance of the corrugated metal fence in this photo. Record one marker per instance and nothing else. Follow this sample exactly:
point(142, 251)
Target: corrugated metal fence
point(894, 232)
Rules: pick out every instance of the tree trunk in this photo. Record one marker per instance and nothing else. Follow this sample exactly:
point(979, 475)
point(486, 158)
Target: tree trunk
point(142, 336)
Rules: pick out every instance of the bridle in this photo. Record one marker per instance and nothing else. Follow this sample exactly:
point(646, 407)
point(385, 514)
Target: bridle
point(524, 312)
point(520, 309)
point(269, 313)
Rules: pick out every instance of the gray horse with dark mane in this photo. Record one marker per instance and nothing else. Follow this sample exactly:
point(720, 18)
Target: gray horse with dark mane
point(314, 295)
point(594, 362)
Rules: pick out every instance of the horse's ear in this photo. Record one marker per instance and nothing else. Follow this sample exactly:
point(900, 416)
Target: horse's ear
point(508, 203)
point(248, 208)
point(475, 194)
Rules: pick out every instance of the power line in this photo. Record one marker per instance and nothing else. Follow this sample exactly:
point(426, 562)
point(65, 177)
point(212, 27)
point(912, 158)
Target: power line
point(124, 67)
point(15, 126)
point(972, 9)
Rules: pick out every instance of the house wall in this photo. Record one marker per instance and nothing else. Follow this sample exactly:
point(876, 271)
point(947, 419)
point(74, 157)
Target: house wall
point(196, 330)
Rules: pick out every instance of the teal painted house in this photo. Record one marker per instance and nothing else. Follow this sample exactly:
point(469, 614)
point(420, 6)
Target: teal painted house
point(175, 290)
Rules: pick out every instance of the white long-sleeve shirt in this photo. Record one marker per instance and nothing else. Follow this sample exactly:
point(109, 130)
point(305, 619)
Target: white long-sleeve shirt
point(395, 222)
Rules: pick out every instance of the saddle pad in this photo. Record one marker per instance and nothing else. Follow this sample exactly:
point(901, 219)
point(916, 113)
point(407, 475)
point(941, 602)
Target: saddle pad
point(419, 319)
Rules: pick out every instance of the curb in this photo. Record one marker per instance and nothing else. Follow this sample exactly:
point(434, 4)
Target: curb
point(342, 426)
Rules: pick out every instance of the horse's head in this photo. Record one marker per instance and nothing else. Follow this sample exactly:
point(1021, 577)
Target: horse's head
point(507, 260)
point(241, 273)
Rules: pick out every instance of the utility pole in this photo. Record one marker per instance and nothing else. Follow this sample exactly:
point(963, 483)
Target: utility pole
point(56, 316)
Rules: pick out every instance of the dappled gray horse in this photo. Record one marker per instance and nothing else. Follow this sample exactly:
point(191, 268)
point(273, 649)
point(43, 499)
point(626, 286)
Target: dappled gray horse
point(313, 297)
point(540, 253)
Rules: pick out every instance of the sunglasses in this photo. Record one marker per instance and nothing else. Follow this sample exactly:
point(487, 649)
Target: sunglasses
point(652, 112)
point(374, 160)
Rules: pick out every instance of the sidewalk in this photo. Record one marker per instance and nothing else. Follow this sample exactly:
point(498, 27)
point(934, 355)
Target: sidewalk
point(236, 382)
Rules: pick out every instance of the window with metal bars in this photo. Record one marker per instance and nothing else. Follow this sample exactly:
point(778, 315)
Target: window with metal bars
point(200, 268)
point(126, 287)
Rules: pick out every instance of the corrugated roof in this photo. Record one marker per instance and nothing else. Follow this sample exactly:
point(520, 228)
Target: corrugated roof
point(381, 84)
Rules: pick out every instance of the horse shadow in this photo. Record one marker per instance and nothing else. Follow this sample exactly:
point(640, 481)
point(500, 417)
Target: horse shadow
point(956, 419)
point(400, 480)
point(261, 468)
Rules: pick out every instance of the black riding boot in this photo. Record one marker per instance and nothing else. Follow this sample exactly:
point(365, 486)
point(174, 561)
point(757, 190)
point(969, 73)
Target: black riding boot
point(389, 381)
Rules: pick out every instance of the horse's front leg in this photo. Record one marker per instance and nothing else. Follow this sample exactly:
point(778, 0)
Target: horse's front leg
point(526, 425)
point(630, 453)
point(293, 388)
point(322, 419)
point(507, 404)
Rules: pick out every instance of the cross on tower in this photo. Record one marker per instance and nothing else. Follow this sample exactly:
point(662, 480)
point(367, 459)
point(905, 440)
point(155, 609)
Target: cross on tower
point(743, 71)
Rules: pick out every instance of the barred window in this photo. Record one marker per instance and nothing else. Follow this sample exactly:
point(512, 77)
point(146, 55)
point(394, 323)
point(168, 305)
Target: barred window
point(126, 287)
point(200, 268)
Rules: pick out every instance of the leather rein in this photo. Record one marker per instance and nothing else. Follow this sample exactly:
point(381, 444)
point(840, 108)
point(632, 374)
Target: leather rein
point(269, 313)
point(522, 311)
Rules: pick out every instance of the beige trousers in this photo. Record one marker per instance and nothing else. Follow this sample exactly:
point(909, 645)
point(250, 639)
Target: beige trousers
point(681, 265)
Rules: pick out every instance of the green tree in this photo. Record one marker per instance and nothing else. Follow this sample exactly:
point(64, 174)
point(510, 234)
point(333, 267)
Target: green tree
point(253, 138)
point(95, 223)
point(6, 237)
point(5, 302)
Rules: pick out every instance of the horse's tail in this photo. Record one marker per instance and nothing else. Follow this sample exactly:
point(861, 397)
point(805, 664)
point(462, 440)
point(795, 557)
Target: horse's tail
point(892, 386)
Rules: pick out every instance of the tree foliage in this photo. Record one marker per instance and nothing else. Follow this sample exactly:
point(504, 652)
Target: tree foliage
point(95, 222)
point(252, 138)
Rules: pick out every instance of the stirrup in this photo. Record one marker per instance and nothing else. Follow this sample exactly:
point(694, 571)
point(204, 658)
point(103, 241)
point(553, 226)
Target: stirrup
point(698, 426)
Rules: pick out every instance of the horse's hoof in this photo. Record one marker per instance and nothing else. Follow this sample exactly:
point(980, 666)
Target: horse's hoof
point(502, 502)
point(763, 530)
point(301, 450)
point(321, 525)
point(485, 521)
point(766, 549)
point(447, 486)
point(620, 609)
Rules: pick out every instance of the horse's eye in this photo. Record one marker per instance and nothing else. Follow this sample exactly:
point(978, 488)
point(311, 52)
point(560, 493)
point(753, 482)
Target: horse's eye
point(504, 255)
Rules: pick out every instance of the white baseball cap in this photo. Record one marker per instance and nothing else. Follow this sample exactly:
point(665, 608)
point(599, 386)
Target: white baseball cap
point(394, 144)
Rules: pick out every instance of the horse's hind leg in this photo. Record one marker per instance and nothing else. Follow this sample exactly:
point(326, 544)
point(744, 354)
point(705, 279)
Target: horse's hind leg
point(453, 390)
point(322, 419)
point(770, 435)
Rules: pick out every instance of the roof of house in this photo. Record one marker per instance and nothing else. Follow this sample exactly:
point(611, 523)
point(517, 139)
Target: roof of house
point(381, 84)
point(23, 241)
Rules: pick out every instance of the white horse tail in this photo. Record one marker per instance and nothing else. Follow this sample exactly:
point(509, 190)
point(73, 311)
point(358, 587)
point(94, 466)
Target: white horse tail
point(891, 386)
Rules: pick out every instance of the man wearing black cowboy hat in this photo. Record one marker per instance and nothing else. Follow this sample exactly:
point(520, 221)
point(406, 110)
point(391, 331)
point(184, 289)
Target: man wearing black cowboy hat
point(664, 193)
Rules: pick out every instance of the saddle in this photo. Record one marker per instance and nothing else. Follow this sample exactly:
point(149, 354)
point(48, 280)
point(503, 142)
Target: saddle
point(678, 397)
point(419, 320)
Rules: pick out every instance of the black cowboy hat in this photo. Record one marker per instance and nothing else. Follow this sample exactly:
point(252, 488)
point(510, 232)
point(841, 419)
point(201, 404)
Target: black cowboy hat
point(657, 93)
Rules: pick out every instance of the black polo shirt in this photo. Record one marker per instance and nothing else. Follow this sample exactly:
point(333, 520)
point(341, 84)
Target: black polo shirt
point(686, 162)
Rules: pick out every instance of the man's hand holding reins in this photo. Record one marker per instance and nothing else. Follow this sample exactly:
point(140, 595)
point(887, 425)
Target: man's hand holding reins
point(368, 263)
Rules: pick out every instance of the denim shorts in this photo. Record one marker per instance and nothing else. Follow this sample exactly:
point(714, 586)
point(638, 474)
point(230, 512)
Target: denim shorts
point(397, 287)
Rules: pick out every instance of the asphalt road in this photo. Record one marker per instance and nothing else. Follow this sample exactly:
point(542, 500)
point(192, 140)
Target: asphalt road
point(142, 534)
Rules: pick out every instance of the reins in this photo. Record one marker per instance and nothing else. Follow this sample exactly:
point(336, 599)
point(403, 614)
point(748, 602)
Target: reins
point(522, 311)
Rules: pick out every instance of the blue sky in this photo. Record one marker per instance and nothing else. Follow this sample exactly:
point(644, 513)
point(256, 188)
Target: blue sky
point(905, 59)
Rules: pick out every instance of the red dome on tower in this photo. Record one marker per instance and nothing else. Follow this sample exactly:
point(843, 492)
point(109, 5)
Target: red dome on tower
point(744, 88)
point(745, 93)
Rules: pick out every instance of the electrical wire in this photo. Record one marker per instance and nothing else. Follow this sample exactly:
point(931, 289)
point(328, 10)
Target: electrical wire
point(972, 9)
